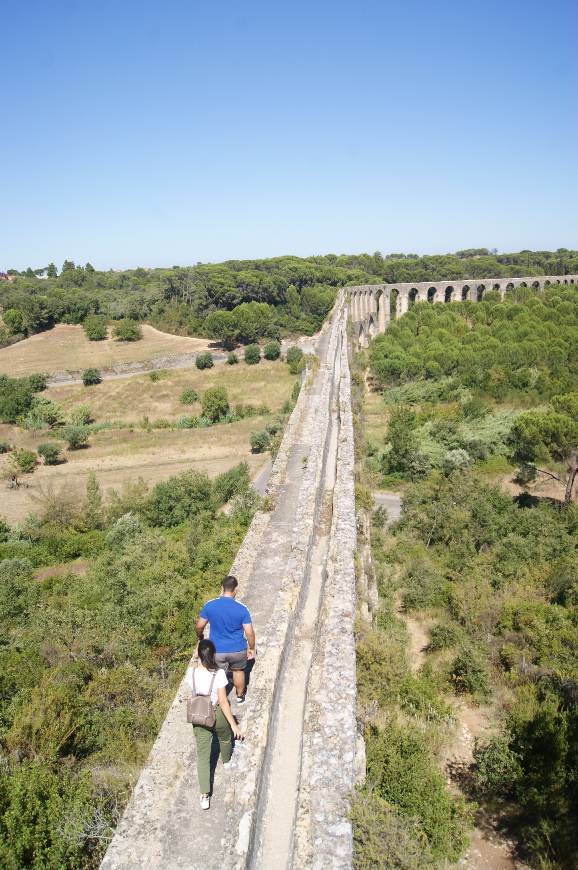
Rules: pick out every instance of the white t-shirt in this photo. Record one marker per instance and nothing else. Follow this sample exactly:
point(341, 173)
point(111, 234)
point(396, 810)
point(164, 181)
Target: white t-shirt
point(203, 681)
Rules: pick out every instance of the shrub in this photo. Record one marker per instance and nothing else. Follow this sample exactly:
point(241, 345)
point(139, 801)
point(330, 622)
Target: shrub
point(232, 358)
point(5, 447)
point(455, 460)
point(384, 839)
point(24, 460)
point(90, 377)
point(260, 441)
point(272, 350)
point(80, 416)
point(232, 482)
point(204, 360)
point(188, 422)
point(95, 327)
point(127, 330)
point(178, 499)
point(252, 354)
point(468, 673)
point(189, 396)
point(215, 404)
point(442, 637)
point(50, 452)
point(403, 771)
point(497, 767)
point(125, 529)
point(294, 359)
point(44, 414)
point(76, 437)
point(154, 376)
point(38, 382)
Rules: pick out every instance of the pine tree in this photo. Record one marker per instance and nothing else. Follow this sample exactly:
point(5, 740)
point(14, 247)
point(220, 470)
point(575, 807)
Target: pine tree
point(92, 509)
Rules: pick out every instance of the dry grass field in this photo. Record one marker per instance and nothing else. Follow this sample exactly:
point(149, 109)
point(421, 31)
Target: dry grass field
point(66, 348)
point(121, 455)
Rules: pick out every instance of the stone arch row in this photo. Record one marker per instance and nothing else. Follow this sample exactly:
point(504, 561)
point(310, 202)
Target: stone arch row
point(373, 306)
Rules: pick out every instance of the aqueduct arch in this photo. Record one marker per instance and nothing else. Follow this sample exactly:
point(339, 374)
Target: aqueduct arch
point(374, 306)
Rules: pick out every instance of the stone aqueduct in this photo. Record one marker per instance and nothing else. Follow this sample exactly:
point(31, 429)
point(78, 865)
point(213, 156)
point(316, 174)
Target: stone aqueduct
point(373, 306)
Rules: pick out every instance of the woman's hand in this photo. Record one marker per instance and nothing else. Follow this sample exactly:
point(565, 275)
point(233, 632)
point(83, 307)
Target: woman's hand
point(236, 732)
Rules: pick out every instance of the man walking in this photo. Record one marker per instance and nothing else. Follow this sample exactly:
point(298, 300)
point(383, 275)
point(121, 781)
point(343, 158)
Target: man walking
point(231, 632)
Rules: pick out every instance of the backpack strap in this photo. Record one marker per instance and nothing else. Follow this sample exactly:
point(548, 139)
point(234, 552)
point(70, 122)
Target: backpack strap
point(210, 687)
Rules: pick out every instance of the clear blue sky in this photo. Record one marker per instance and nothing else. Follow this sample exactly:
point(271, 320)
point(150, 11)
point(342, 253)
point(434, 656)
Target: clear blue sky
point(154, 133)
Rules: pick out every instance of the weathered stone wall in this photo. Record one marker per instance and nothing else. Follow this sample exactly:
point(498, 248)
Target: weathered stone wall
point(332, 753)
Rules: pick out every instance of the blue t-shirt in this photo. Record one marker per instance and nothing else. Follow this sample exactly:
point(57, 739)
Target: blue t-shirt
point(227, 618)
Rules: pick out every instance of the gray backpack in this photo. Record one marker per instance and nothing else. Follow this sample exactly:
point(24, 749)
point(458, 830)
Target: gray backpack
point(200, 710)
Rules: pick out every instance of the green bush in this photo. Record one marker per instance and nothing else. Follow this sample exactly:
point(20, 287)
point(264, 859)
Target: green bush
point(260, 441)
point(5, 447)
point(43, 414)
point(272, 350)
point(155, 376)
point(252, 354)
point(469, 673)
point(232, 358)
point(95, 327)
point(127, 330)
point(294, 359)
point(24, 460)
point(442, 636)
point(178, 499)
point(215, 404)
point(403, 771)
point(188, 422)
point(38, 382)
point(189, 396)
point(91, 377)
point(80, 416)
point(384, 839)
point(204, 360)
point(75, 436)
point(231, 483)
point(50, 452)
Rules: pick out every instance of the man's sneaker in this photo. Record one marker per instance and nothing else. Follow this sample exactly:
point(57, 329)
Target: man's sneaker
point(241, 699)
point(205, 801)
point(228, 765)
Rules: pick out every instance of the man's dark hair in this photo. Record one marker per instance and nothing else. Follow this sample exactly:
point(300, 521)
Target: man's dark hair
point(230, 583)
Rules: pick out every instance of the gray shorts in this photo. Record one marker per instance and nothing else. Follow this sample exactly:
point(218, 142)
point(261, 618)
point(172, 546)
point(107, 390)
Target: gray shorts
point(232, 661)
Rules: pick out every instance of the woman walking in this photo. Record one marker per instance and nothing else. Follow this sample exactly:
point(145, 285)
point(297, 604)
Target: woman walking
point(207, 678)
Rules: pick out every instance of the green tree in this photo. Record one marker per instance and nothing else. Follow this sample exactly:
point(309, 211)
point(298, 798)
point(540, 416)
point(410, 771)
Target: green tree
point(51, 271)
point(232, 358)
point(14, 321)
point(95, 327)
point(260, 441)
point(294, 359)
point(215, 404)
point(92, 509)
point(540, 437)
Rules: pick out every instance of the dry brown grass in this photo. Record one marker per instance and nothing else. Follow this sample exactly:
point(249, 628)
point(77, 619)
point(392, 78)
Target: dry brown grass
point(130, 398)
point(66, 348)
point(121, 455)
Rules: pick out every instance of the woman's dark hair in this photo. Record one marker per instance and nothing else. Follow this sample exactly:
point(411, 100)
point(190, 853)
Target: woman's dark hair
point(207, 653)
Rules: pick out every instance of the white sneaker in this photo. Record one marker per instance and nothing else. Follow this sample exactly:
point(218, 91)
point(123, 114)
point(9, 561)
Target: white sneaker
point(205, 801)
point(228, 765)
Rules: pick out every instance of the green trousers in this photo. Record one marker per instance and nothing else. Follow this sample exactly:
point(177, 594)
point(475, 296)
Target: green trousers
point(204, 738)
